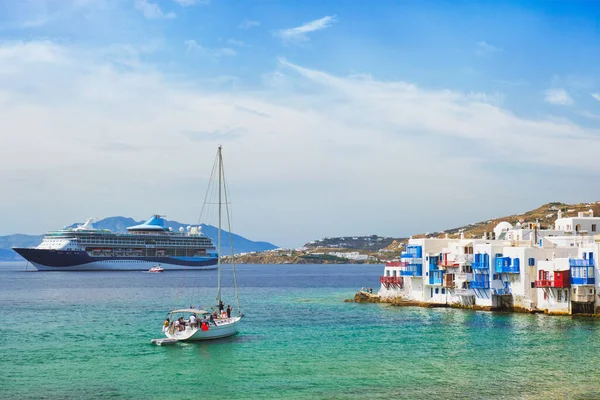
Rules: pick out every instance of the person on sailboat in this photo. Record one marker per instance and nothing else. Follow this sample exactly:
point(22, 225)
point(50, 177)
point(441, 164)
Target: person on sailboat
point(221, 306)
point(228, 311)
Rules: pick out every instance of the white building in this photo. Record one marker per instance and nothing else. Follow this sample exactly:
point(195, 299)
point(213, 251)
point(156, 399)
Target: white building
point(522, 267)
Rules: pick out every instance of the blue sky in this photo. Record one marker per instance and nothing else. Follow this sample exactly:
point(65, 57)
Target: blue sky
point(337, 117)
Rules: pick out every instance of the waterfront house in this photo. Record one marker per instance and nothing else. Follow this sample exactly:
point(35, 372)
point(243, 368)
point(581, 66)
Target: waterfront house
point(521, 267)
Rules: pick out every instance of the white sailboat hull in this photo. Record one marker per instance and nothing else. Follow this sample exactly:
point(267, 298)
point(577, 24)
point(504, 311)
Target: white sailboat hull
point(224, 328)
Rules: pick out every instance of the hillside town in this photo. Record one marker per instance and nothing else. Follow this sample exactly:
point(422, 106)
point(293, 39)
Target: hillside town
point(517, 267)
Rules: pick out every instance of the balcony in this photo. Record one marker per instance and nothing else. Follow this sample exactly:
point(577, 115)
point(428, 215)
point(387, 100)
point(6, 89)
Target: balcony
point(544, 283)
point(436, 277)
point(412, 252)
point(389, 281)
point(412, 270)
point(505, 266)
point(479, 284)
point(582, 272)
point(502, 292)
point(481, 262)
point(480, 265)
point(448, 264)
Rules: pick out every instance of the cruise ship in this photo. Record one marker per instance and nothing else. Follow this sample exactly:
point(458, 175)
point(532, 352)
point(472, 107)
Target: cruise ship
point(85, 248)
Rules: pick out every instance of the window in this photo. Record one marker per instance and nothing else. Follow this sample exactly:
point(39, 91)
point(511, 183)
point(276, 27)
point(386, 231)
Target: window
point(566, 295)
point(437, 290)
point(591, 291)
point(559, 295)
point(443, 291)
point(593, 227)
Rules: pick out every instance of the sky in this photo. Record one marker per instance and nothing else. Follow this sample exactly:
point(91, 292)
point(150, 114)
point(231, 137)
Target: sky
point(336, 118)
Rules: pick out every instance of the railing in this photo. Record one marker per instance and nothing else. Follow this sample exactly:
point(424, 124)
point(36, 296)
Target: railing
point(508, 269)
point(448, 264)
point(582, 281)
point(504, 265)
point(546, 283)
point(412, 270)
point(480, 284)
point(501, 292)
point(395, 280)
point(435, 280)
point(582, 272)
point(480, 265)
point(573, 262)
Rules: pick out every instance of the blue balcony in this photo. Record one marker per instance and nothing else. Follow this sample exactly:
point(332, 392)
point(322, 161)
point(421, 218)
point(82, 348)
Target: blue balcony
point(412, 251)
point(480, 281)
point(436, 277)
point(412, 270)
point(582, 272)
point(502, 292)
point(581, 262)
point(504, 265)
point(433, 263)
point(480, 284)
point(481, 262)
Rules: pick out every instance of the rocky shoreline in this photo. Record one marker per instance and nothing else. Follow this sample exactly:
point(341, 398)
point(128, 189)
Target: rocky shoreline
point(366, 297)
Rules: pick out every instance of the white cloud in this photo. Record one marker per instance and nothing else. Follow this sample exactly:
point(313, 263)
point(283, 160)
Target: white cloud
point(558, 97)
point(484, 49)
point(589, 115)
point(152, 10)
point(234, 42)
point(194, 48)
point(299, 33)
point(187, 3)
point(303, 132)
point(596, 96)
point(248, 23)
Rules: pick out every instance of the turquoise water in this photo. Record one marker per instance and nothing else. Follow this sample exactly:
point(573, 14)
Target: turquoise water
point(87, 335)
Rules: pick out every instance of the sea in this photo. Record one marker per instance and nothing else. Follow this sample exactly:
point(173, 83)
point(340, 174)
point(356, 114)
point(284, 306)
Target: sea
point(86, 335)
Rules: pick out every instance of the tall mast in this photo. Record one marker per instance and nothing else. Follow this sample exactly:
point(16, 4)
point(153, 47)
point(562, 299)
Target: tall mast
point(219, 156)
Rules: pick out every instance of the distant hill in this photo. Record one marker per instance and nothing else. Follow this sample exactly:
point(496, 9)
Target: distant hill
point(544, 216)
point(367, 243)
point(120, 224)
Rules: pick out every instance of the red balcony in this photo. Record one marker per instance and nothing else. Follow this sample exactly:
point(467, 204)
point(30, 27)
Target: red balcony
point(561, 280)
point(447, 264)
point(392, 281)
point(392, 263)
point(544, 283)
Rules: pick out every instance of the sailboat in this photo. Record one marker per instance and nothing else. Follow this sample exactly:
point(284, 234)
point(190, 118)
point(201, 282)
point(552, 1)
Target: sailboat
point(190, 324)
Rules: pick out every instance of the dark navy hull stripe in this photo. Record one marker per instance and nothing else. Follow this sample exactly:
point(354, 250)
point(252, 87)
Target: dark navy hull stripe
point(63, 258)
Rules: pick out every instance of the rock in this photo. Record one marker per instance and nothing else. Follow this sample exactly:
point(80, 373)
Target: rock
point(364, 297)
